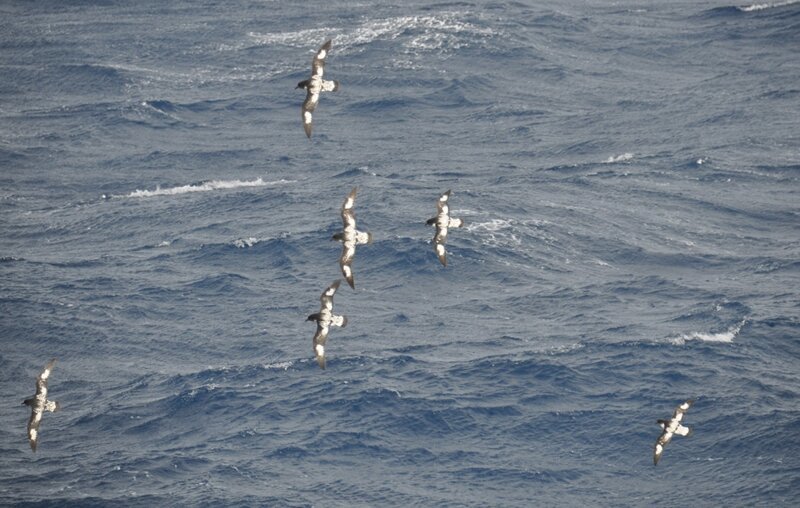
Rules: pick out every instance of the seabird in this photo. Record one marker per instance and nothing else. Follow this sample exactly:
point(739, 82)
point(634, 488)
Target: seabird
point(350, 237)
point(671, 427)
point(325, 319)
point(443, 221)
point(39, 404)
point(315, 85)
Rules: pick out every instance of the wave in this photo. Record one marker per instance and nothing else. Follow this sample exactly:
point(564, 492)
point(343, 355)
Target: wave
point(619, 158)
point(433, 32)
point(243, 243)
point(204, 187)
point(496, 232)
point(761, 7)
point(726, 337)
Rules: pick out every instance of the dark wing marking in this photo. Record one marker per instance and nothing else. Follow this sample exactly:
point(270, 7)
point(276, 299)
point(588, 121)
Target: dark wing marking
point(38, 404)
point(309, 105)
point(320, 336)
point(327, 296)
point(671, 427)
point(346, 264)
point(349, 201)
point(678, 413)
point(33, 427)
point(318, 64)
point(348, 218)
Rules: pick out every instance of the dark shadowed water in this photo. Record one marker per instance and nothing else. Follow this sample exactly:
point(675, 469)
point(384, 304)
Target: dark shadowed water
point(629, 177)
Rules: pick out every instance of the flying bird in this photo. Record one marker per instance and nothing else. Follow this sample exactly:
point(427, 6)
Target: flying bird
point(671, 427)
point(350, 237)
point(443, 222)
point(316, 85)
point(325, 319)
point(39, 404)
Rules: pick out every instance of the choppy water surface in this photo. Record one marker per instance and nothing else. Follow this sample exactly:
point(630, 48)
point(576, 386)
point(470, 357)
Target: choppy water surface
point(628, 174)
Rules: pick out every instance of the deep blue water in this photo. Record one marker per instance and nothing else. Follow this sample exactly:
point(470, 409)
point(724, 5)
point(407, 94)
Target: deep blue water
point(629, 174)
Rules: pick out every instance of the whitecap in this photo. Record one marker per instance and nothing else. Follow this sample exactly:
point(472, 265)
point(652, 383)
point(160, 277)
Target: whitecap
point(725, 337)
point(619, 158)
point(204, 187)
point(434, 32)
point(495, 232)
point(761, 7)
point(244, 243)
point(279, 365)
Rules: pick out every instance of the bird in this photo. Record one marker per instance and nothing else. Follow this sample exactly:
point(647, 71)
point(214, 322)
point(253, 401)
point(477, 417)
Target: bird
point(350, 237)
point(315, 85)
point(325, 319)
point(443, 222)
point(671, 427)
point(39, 404)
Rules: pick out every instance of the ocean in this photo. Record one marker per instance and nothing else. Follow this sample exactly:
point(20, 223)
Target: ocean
point(628, 173)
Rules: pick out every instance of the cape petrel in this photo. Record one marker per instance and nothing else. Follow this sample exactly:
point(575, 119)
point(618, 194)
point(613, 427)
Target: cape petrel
point(671, 427)
point(315, 85)
point(39, 404)
point(350, 237)
point(325, 319)
point(443, 222)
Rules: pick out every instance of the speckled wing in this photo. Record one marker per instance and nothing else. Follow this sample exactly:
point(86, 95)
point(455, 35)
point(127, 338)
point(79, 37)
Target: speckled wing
point(442, 221)
point(318, 64)
point(348, 204)
point(309, 105)
point(38, 405)
point(680, 410)
point(320, 337)
point(350, 237)
point(326, 298)
point(670, 428)
point(346, 263)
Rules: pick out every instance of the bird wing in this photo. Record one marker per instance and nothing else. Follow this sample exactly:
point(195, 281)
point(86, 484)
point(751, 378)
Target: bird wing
point(326, 298)
point(318, 64)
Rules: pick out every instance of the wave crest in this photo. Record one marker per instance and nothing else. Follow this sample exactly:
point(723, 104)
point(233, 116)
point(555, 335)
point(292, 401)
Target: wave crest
point(443, 30)
point(761, 7)
point(204, 187)
point(726, 336)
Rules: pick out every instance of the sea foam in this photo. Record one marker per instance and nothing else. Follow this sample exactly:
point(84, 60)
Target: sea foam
point(204, 187)
point(726, 336)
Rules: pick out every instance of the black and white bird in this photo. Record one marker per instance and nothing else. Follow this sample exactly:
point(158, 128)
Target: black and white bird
point(671, 427)
point(443, 222)
point(325, 319)
point(350, 237)
point(316, 85)
point(39, 404)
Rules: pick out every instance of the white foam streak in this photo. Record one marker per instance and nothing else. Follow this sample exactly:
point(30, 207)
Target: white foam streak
point(761, 7)
point(619, 158)
point(429, 33)
point(496, 232)
point(279, 365)
point(725, 337)
point(244, 243)
point(204, 187)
